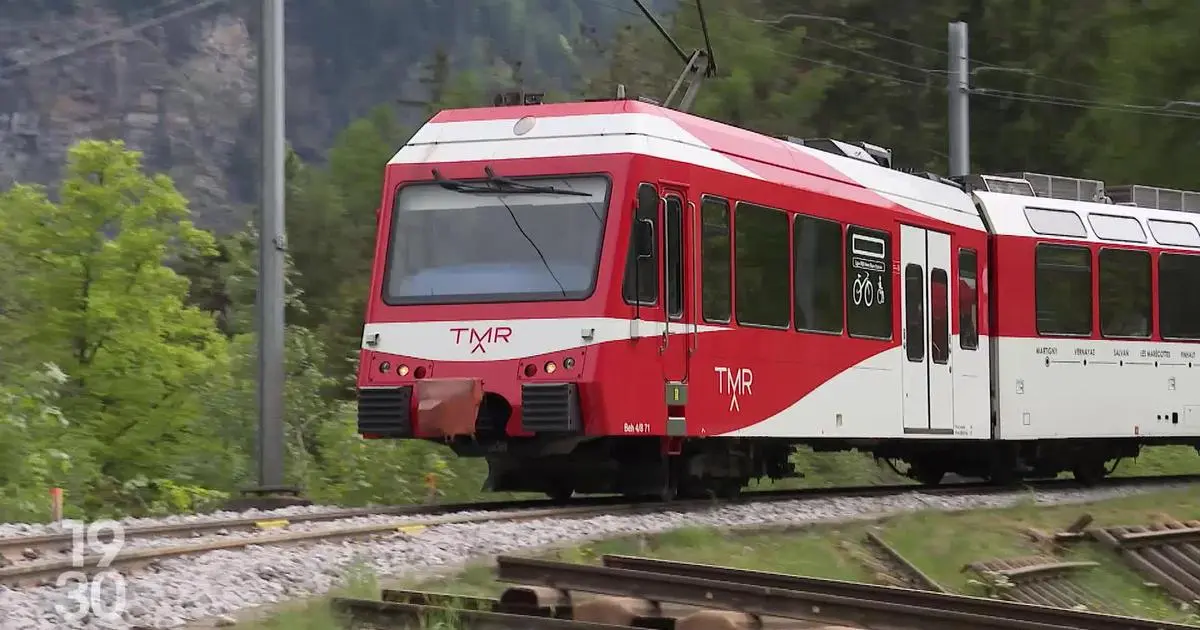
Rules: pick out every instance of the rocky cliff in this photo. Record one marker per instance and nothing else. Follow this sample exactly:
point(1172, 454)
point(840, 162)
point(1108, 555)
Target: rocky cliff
point(178, 80)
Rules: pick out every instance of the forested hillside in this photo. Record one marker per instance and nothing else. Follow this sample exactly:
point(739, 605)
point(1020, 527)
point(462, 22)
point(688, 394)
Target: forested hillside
point(176, 78)
point(126, 336)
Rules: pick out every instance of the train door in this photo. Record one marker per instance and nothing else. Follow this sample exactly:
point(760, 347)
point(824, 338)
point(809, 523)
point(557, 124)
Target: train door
point(677, 284)
point(925, 305)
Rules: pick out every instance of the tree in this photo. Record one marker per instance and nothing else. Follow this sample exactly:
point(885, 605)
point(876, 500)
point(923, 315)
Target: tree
point(91, 293)
point(1150, 62)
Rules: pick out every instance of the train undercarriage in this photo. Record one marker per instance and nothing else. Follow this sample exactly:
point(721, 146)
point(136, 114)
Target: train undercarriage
point(668, 468)
point(560, 461)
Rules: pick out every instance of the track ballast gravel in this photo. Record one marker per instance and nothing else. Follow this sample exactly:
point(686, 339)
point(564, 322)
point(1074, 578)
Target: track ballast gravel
point(12, 530)
point(222, 582)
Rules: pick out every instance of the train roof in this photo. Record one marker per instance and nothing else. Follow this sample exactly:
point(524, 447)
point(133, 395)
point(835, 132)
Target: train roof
point(1091, 222)
point(635, 127)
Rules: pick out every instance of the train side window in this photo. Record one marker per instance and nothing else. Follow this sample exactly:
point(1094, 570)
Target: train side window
point(761, 266)
point(1174, 233)
point(1055, 222)
point(1178, 300)
point(1063, 289)
point(939, 316)
point(673, 256)
point(868, 283)
point(1124, 293)
point(914, 312)
point(640, 285)
point(817, 250)
point(968, 299)
point(714, 252)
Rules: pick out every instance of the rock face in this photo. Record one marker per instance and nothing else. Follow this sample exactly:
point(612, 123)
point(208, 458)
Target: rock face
point(64, 78)
point(178, 80)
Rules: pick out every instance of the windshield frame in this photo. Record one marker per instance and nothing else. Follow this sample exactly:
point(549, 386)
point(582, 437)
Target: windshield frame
point(493, 298)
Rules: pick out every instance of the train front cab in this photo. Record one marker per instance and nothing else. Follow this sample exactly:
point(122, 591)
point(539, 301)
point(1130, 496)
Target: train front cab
point(493, 316)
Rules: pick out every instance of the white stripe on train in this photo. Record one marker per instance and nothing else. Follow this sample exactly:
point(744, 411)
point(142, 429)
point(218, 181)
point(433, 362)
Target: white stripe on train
point(657, 136)
point(454, 341)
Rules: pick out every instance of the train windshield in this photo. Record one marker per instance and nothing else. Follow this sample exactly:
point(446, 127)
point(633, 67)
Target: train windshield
point(536, 239)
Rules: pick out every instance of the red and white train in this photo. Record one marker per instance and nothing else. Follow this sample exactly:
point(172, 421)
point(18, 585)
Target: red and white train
point(618, 297)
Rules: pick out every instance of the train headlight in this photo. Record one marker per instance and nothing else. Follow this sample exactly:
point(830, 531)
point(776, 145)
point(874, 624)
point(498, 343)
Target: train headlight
point(550, 367)
point(402, 370)
point(384, 367)
point(569, 362)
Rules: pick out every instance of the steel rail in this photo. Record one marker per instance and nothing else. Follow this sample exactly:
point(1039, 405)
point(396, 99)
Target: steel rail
point(41, 541)
point(400, 615)
point(22, 573)
point(764, 601)
point(912, 571)
point(34, 573)
point(13, 546)
point(889, 594)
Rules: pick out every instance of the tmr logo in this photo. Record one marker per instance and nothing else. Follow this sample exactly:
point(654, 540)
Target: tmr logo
point(480, 338)
point(734, 382)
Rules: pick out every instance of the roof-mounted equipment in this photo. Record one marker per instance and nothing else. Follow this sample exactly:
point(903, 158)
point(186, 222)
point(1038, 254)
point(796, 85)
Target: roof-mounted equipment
point(1157, 198)
point(999, 184)
point(933, 177)
point(1059, 187)
point(512, 99)
point(864, 151)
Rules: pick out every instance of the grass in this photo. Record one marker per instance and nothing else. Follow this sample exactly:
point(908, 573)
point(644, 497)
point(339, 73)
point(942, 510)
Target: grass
point(837, 551)
point(316, 614)
point(940, 544)
point(1161, 460)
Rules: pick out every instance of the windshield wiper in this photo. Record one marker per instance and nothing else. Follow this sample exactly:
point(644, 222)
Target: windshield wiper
point(457, 186)
point(508, 183)
point(497, 184)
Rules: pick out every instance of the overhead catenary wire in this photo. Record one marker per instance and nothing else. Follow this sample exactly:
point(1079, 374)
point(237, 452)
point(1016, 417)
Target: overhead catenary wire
point(899, 40)
point(10, 70)
point(1149, 109)
point(935, 78)
point(1161, 109)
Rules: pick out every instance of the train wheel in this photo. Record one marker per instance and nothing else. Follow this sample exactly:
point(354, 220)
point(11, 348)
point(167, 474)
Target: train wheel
point(669, 478)
point(1089, 472)
point(561, 493)
point(729, 489)
point(669, 490)
point(930, 477)
point(926, 473)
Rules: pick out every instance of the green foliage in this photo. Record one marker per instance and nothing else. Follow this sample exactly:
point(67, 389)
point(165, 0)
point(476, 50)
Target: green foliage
point(128, 363)
point(37, 448)
point(1152, 61)
point(91, 294)
point(120, 387)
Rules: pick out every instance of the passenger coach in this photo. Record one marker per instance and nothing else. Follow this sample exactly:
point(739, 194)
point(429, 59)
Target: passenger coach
point(618, 297)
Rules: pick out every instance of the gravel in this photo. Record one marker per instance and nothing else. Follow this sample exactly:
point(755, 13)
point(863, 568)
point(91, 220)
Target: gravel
point(236, 534)
point(34, 529)
point(222, 582)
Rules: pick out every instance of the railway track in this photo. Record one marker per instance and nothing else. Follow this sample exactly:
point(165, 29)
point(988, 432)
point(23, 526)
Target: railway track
point(630, 591)
point(53, 553)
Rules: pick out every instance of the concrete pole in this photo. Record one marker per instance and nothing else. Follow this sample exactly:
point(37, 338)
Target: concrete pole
point(959, 89)
point(271, 250)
